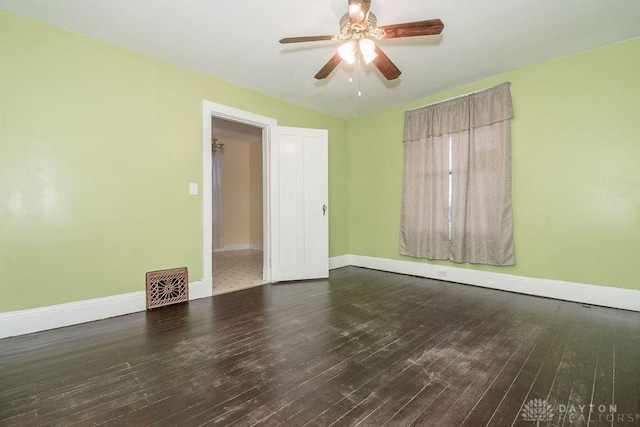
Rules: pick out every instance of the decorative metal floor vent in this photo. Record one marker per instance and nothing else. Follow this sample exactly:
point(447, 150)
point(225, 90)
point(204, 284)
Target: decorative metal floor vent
point(166, 287)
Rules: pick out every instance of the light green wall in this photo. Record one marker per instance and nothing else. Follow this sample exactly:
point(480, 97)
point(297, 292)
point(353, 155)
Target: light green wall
point(97, 147)
point(576, 170)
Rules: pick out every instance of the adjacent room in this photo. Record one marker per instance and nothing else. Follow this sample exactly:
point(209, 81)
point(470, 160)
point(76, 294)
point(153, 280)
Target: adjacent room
point(351, 212)
point(237, 207)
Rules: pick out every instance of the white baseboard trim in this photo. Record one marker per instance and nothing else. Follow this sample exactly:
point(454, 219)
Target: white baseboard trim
point(22, 322)
point(627, 299)
point(197, 291)
point(339, 261)
point(56, 316)
point(239, 248)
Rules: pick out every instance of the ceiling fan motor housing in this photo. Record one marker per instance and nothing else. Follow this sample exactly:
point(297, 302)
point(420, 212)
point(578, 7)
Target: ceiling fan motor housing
point(358, 30)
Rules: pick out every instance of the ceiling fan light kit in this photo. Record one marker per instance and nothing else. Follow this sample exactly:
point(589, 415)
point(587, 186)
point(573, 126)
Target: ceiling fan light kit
point(358, 30)
point(366, 47)
point(347, 51)
point(368, 50)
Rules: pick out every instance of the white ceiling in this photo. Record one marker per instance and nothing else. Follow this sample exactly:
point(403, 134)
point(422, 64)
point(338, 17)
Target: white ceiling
point(237, 40)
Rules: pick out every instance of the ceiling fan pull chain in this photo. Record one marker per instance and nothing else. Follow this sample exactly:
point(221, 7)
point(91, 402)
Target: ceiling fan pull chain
point(359, 91)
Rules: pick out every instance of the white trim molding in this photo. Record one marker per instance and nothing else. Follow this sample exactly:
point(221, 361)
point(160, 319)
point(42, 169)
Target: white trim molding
point(339, 261)
point(209, 110)
point(22, 322)
point(627, 299)
point(197, 290)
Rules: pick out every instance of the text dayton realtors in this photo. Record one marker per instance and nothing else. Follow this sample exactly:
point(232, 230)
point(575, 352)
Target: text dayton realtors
point(594, 413)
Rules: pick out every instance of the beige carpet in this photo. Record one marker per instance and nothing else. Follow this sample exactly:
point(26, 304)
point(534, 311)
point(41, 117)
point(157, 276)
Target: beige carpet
point(235, 270)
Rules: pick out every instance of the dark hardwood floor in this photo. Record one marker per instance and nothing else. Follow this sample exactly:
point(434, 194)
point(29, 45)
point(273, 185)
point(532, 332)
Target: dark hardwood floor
point(362, 348)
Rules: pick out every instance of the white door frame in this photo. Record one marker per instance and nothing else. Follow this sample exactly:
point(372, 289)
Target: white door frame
point(209, 110)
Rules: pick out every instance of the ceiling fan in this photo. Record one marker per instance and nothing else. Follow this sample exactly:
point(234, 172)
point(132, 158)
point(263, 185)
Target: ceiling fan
point(358, 33)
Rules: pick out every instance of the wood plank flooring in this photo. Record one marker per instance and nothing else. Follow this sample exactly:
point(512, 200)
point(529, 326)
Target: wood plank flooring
point(363, 348)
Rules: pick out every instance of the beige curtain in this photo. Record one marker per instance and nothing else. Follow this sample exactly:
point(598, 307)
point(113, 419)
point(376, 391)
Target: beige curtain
point(481, 226)
point(425, 174)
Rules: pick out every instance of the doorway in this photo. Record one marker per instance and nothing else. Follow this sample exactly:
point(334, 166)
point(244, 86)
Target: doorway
point(237, 206)
point(295, 198)
point(212, 110)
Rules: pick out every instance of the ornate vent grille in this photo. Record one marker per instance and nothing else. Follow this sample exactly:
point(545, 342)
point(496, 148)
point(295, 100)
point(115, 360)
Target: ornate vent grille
point(166, 287)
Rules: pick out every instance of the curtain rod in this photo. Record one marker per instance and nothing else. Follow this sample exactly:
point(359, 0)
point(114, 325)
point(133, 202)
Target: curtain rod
point(459, 96)
point(215, 145)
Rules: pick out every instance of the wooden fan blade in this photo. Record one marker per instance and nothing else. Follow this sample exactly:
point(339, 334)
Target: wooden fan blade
point(412, 29)
point(365, 6)
point(386, 67)
point(305, 39)
point(358, 10)
point(328, 67)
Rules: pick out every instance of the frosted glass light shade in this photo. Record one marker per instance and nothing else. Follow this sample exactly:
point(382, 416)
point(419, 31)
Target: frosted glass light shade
point(367, 48)
point(348, 52)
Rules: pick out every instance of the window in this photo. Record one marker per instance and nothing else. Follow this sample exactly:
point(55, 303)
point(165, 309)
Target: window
point(456, 201)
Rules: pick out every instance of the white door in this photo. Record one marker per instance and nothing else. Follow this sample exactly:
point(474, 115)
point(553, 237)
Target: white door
point(298, 203)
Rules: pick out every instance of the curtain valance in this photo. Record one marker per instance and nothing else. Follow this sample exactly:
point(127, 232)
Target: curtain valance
point(471, 111)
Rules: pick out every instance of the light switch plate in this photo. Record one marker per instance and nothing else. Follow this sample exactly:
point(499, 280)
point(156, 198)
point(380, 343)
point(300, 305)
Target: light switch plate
point(193, 188)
